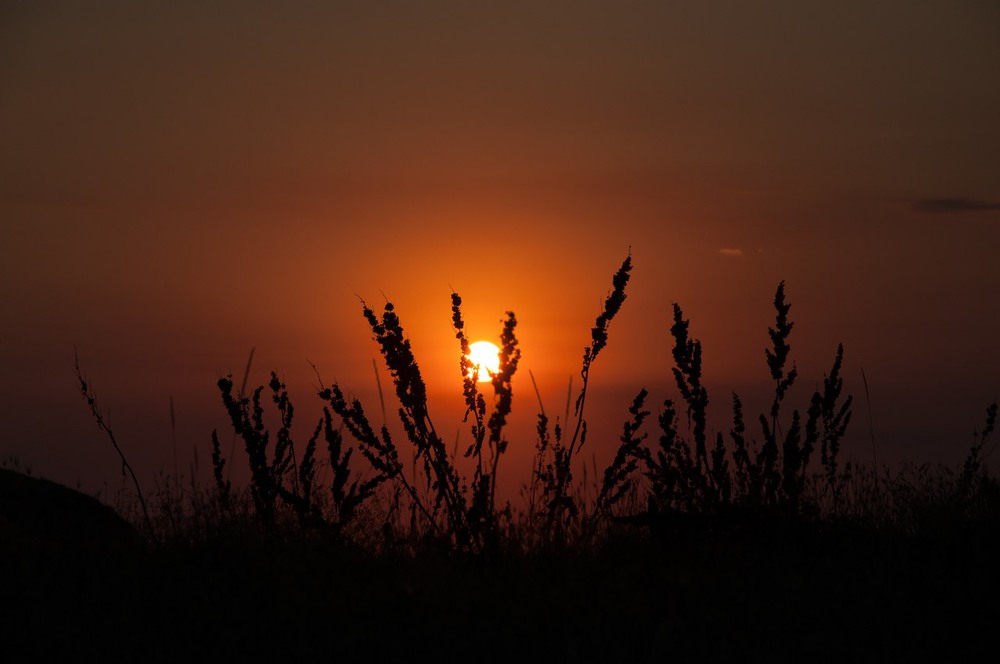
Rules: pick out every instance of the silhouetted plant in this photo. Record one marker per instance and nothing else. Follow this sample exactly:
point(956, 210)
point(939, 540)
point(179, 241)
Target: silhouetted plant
point(973, 462)
point(678, 480)
point(746, 473)
point(413, 413)
point(687, 375)
point(347, 489)
point(835, 417)
point(303, 499)
point(480, 512)
point(247, 417)
point(930, 500)
point(482, 515)
point(284, 451)
point(672, 473)
point(557, 476)
point(719, 474)
point(618, 475)
point(782, 474)
point(777, 356)
point(105, 426)
point(377, 448)
point(269, 476)
point(222, 484)
point(687, 476)
point(543, 441)
point(510, 355)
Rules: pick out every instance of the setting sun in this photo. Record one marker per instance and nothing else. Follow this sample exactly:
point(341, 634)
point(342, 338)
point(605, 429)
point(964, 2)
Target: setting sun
point(486, 357)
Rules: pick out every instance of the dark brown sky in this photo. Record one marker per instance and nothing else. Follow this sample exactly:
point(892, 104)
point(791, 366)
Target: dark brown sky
point(180, 184)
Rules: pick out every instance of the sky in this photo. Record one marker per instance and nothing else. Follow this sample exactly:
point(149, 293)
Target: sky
point(183, 182)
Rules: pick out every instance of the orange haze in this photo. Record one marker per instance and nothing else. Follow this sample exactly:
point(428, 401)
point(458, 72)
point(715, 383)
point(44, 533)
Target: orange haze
point(181, 184)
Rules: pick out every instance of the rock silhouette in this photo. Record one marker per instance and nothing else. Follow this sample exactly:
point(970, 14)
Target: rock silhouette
point(39, 518)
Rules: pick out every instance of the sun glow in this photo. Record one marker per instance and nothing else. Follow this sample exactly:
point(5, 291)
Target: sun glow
point(485, 356)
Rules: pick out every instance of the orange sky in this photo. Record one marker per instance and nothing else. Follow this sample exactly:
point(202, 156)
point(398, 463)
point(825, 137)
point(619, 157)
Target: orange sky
point(178, 185)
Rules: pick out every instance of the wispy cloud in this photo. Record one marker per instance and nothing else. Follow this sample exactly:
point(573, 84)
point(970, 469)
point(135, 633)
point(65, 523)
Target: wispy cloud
point(942, 205)
point(731, 252)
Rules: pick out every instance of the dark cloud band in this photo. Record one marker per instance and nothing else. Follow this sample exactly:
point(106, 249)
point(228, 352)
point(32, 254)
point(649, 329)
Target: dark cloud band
point(939, 205)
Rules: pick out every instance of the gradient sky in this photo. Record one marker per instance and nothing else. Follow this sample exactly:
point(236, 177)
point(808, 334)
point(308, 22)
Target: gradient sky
point(181, 182)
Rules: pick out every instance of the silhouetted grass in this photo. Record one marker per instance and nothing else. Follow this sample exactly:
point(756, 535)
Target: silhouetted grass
point(756, 542)
point(687, 476)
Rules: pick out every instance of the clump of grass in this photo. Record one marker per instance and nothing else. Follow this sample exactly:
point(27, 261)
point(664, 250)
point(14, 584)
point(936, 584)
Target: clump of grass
point(267, 475)
point(277, 480)
point(678, 479)
point(468, 522)
point(685, 475)
point(925, 499)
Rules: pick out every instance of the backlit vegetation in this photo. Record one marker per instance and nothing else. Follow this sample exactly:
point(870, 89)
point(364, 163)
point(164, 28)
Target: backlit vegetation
point(409, 493)
point(750, 541)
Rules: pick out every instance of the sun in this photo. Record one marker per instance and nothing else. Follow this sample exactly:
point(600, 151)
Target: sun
point(486, 356)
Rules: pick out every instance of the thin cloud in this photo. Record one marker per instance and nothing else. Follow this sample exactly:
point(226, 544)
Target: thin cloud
point(731, 252)
point(944, 205)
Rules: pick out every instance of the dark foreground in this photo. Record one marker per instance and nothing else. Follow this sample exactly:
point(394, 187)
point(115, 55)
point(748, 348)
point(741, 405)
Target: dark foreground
point(810, 594)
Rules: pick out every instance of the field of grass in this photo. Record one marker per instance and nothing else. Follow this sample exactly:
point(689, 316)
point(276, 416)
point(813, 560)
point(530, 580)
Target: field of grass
point(759, 543)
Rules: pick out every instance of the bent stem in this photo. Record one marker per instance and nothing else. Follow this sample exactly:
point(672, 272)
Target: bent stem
point(102, 424)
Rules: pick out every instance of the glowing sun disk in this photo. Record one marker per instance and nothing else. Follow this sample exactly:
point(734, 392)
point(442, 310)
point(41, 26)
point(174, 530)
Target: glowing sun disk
point(485, 356)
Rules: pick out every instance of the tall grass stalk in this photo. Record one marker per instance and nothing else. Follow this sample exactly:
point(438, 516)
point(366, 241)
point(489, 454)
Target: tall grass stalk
point(557, 476)
point(104, 425)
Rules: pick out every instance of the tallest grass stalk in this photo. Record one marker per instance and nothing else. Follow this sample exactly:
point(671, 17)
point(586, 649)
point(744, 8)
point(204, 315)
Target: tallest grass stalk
point(557, 476)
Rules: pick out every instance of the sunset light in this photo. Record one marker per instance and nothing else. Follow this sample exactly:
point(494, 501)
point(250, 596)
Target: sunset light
point(485, 357)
